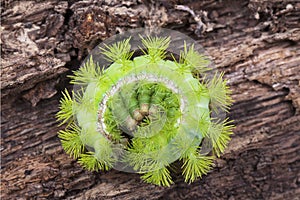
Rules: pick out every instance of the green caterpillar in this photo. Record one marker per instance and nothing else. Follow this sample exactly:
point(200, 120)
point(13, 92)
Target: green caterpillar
point(142, 114)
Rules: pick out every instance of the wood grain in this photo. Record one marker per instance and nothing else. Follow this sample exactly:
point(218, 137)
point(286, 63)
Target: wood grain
point(255, 42)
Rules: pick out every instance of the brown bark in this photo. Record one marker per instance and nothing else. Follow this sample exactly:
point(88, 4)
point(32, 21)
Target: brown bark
point(255, 42)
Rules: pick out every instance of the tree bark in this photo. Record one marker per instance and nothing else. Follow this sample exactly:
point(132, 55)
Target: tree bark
point(256, 42)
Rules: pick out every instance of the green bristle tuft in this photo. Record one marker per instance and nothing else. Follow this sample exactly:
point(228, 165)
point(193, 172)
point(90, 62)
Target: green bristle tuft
point(65, 114)
point(195, 165)
point(71, 141)
point(118, 52)
point(219, 133)
point(159, 177)
point(89, 72)
point(90, 162)
point(191, 61)
point(155, 47)
point(219, 93)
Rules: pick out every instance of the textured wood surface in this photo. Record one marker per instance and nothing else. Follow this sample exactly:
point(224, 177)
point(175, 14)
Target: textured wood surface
point(256, 42)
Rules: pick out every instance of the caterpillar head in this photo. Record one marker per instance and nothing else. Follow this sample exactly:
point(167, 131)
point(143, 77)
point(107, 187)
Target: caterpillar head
point(141, 112)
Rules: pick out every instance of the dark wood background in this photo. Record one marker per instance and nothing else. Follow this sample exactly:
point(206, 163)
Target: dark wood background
point(256, 42)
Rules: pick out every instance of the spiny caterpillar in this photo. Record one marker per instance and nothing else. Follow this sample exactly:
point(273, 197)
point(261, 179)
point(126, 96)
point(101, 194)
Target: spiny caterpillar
point(143, 113)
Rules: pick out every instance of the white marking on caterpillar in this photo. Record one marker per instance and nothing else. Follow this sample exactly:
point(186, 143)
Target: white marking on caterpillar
point(131, 79)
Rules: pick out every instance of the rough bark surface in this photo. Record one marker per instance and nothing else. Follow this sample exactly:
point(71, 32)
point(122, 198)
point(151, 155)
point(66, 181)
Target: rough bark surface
point(256, 42)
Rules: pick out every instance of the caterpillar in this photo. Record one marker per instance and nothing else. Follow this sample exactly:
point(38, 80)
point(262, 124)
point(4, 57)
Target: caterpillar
point(142, 113)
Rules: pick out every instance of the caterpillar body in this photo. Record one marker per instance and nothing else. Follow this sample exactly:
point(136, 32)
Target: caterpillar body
point(143, 113)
